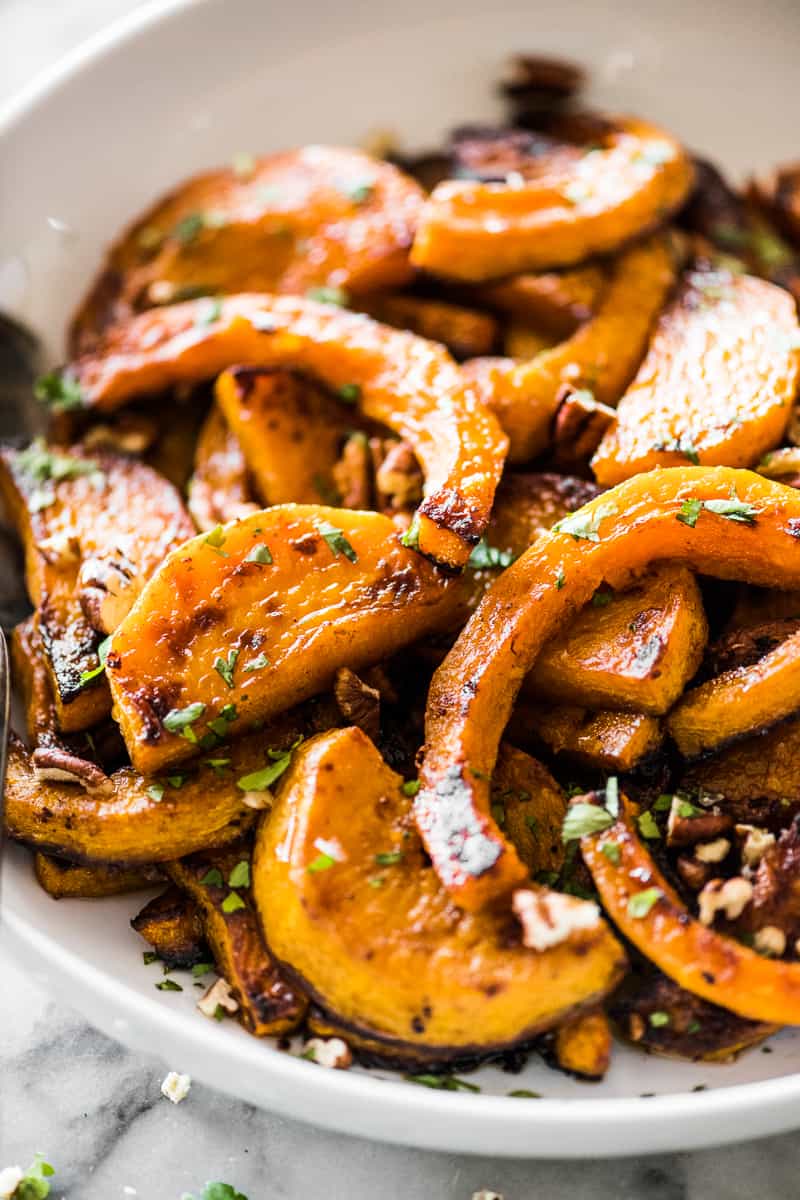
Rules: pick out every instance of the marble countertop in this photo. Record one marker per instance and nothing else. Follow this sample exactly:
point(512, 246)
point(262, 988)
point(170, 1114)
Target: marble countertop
point(96, 1111)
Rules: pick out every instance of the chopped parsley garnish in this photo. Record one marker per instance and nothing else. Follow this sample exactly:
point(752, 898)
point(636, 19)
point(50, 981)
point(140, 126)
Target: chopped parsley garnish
point(680, 445)
point(349, 393)
point(156, 792)
point(218, 1191)
point(659, 1019)
point(689, 512)
point(377, 881)
point(687, 810)
point(524, 1094)
point(209, 312)
point(257, 663)
point(259, 781)
point(260, 554)
point(561, 579)
point(485, 556)
point(583, 819)
point(410, 787)
point(323, 862)
point(337, 542)
point(176, 781)
point(149, 956)
point(329, 295)
point(612, 795)
point(218, 765)
point(226, 666)
point(602, 599)
point(647, 826)
point(216, 540)
point(444, 1083)
point(60, 391)
point(189, 227)
point(219, 725)
point(389, 858)
point(640, 903)
point(169, 985)
point(410, 539)
point(102, 654)
point(34, 1185)
point(694, 1027)
point(584, 526)
point(360, 192)
point(611, 851)
point(240, 875)
point(44, 466)
point(732, 509)
point(212, 878)
point(232, 903)
point(180, 720)
point(663, 803)
point(202, 968)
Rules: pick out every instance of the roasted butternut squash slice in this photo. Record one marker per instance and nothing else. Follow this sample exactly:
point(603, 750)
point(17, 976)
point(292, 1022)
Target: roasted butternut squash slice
point(217, 882)
point(635, 650)
point(317, 217)
point(556, 302)
point(93, 527)
point(606, 741)
point(77, 881)
point(589, 205)
point(243, 623)
point(32, 682)
point(583, 1046)
point(171, 924)
point(522, 342)
point(220, 489)
point(601, 356)
point(401, 381)
point(291, 433)
point(716, 385)
point(737, 702)
point(727, 523)
point(466, 332)
point(529, 805)
point(649, 912)
point(528, 504)
point(327, 887)
point(761, 767)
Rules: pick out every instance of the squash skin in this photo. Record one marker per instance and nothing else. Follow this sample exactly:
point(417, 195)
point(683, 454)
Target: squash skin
point(303, 196)
point(478, 231)
point(606, 741)
point(220, 489)
point(75, 881)
point(625, 530)
point(715, 967)
point(635, 654)
point(268, 1005)
point(126, 506)
point(310, 610)
point(406, 383)
point(720, 375)
point(436, 978)
point(171, 924)
point(602, 355)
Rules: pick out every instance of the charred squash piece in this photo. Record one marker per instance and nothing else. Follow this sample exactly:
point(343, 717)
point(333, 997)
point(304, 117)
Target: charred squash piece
point(268, 1004)
point(529, 504)
point(649, 912)
point(291, 433)
point(171, 924)
point(32, 682)
point(556, 302)
point(633, 651)
point(589, 205)
point(529, 805)
point(144, 821)
point(399, 380)
point(683, 514)
point(220, 489)
point(744, 700)
point(607, 741)
point(466, 332)
point(316, 217)
point(256, 616)
point(601, 356)
point(62, 879)
point(93, 527)
point(583, 1046)
point(716, 385)
point(453, 982)
point(762, 767)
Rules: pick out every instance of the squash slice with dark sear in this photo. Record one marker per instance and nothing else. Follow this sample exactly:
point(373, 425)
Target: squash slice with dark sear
point(529, 805)
point(62, 879)
point(220, 489)
point(404, 382)
point(338, 870)
point(601, 356)
point(731, 524)
point(758, 768)
point(94, 527)
point(268, 1004)
point(31, 681)
point(744, 700)
point(649, 912)
point(243, 623)
point(606, 741)
point(716, 385)
point(635, 650)
point(588, 204)
point(317, 217)
point(171, 924)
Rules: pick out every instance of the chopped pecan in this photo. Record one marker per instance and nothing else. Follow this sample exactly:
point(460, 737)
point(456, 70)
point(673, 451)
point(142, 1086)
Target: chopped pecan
point(578, 426)
point(686, 827)
point(727, 896)
point(107, 589)
point(56, 763)
point(693, 873)
point(358, 702)
point(351, 474)
point(398, 479)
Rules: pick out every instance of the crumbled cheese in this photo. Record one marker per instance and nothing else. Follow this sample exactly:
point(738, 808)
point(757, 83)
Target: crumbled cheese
point(770, 941)
point(219, 995)
point(756, 843)
point(712, 852)
point(483, 1194)
point(258, 800)
point(549, 918)
point(10, 1179)
point(328, 1052)
point(729, 896)
point(176, 1087)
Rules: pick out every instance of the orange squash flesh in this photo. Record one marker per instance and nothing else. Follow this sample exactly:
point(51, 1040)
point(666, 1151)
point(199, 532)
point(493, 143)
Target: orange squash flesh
point(171, 924)
point(583, 1046)
point(761, 767)
point(479, 231)
point(320, 216)
point(602, 355)
point(556, 303)
point(76, 881)
point(737, 702)
point(396, 961)
point(717, 382)
point(635, 653)
point(220, 489)
point(621, 532)
point(466, 332)
point(399, 380)
point(284, 624)
point(606, 741)
point(715, 967)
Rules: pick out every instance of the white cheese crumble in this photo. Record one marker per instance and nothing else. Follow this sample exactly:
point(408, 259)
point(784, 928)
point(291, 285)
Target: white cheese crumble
point(10, 1179)
point(176, 1087)
point(328, 1052)
point(219, 995)
point(549, 918)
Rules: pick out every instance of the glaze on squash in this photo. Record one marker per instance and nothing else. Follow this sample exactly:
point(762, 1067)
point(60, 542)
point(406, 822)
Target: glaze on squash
point(606, 741)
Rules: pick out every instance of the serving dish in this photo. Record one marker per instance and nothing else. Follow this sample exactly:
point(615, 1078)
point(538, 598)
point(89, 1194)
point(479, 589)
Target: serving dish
point(48, 248)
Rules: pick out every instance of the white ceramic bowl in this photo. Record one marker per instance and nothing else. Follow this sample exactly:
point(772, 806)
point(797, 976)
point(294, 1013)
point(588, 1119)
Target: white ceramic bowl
point(180, 86)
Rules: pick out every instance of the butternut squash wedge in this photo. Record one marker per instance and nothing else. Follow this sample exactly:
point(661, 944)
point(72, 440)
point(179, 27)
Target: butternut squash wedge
point(529, 503)
point(320, 216)
point(583, 1046)
point(744, 700)
point(606, 741)
point(601, 356)
point(466, 332)
point(171, 924)
point(649, 912)
point(82, 518)
point(556, 302)
point(589, 205)
point(716, 385)
point(727, 523)
point(291, 433)
point(62, 879)
point(761, 767)
point(401, 381)
point(635, 651)
point(32, 682)
point(220, 489)
point(268, 1004)
point(432, 976)
point(529, 805)
point(243, 623)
